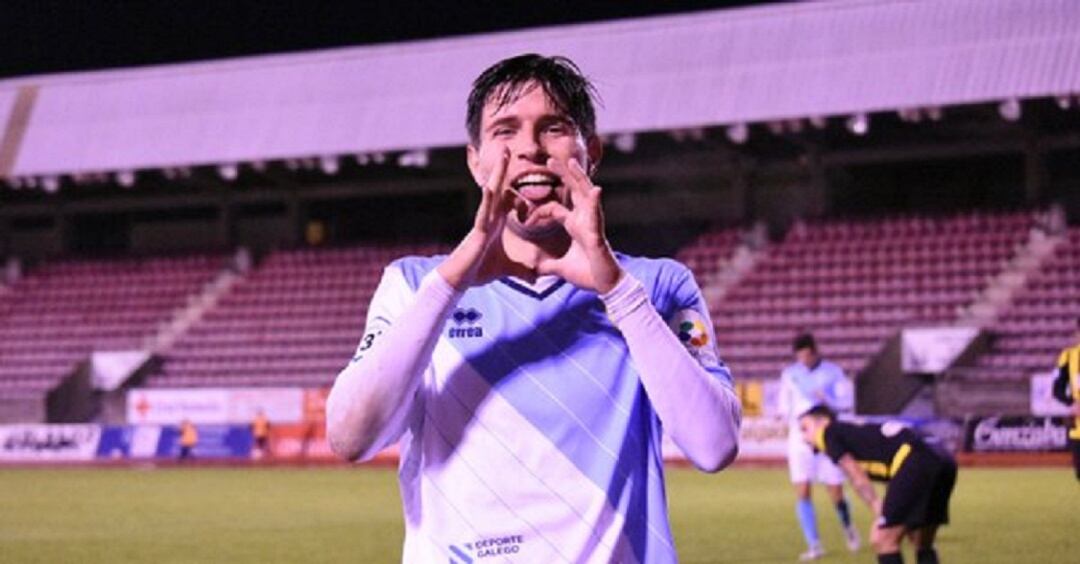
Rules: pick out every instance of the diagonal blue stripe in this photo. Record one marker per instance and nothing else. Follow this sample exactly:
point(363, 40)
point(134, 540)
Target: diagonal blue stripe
point(600, 420)
point(461, 554)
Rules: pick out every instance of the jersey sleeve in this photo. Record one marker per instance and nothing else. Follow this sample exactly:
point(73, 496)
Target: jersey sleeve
point(691, 323)
point(691, 395)
point(784, 401)
point(1061, 389)
point(391, 297)
point(374, 398)
point(832, 443)
point(842, 392)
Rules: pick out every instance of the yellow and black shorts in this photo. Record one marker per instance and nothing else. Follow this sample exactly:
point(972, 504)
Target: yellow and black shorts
point(918, 494)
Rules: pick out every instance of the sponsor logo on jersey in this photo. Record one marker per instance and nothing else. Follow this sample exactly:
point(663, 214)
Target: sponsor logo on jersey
point(467, 321)
point(505, 546)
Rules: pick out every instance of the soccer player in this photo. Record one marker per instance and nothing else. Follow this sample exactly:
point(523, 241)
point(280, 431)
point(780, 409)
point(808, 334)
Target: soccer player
point(1067, 391)
point(809, 381)
point(921, 479)
point(260, 432)
point(189, 437)
point(529, 374)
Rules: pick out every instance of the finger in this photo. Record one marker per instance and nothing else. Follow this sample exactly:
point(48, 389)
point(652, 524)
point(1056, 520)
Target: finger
point(494, 184)
point(580, 185)
point(495, 178)
point(578, 172)
point(559, 168)
point(483, 211)
point(550, 210)
point(592, 191)
point(513, 197)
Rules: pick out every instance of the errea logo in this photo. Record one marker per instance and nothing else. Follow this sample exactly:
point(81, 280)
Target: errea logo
point(467, 324)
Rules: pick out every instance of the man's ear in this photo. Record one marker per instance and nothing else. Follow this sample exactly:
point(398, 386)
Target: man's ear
point(595, 149)
point(472, 158)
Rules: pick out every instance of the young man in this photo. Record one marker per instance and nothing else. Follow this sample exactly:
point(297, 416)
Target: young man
point(920, 479)
point(809, 381)
point(1067, 391)
point(529, 373)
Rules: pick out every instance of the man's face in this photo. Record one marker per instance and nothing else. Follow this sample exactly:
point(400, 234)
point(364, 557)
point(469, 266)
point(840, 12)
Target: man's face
point(533, 130)
point(807, 357)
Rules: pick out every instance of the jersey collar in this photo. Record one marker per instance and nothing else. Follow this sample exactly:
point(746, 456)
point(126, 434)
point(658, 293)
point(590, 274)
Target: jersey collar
point(543, 287)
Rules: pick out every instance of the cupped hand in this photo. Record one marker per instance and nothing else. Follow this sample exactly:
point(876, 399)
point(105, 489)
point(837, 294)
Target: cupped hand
point(588, 262)
point(479, 257)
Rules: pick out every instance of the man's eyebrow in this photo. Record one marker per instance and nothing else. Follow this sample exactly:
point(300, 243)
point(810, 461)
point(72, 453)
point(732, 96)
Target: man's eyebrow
point(505, 120)
point(557, 118)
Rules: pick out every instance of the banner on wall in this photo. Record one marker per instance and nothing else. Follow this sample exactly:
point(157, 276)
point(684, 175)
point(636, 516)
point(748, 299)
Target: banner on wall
point(163, 441)
point(1017, 434)
point(214, 405)
point(758, 397)
point(129, 441)
point(931, 350)
point(763, 437)
point(48, 443)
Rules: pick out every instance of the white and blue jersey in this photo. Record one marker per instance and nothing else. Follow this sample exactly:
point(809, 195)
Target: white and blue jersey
point(531, 437)
point(802, 388)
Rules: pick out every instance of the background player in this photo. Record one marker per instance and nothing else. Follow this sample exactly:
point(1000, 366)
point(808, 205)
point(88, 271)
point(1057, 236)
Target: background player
point(528, 373)
point(809, 381)
point(189, 438)
point(1067, 391)
point(921, 479)
point(260, 432)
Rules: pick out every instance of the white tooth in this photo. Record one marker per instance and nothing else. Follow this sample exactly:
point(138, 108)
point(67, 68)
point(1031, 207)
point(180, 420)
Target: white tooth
point(535, 178)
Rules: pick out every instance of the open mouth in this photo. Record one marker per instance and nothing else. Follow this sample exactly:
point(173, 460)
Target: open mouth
point(535, 186)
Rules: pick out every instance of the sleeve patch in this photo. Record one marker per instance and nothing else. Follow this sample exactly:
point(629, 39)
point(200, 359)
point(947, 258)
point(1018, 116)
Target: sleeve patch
point(374, 330)
point(696, 335)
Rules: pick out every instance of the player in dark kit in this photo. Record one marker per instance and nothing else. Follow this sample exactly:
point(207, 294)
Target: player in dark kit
point(920, 478)
point(1067, 391)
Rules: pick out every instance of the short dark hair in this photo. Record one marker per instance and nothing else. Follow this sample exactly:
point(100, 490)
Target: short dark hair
point(562, 81)
point(820, 410)
point(804, 341)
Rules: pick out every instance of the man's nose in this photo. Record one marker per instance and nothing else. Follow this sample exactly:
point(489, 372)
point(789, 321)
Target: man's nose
point(528, 147)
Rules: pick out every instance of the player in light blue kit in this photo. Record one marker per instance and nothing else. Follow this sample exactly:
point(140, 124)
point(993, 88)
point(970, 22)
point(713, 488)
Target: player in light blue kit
point(809, 381)
point(528, 375)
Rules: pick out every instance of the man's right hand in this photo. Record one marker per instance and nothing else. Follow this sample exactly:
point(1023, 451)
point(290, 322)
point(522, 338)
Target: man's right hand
point(479, 257)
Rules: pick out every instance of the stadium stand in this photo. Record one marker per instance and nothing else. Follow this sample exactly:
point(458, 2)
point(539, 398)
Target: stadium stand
point(1040, 321)
point(708, 254)
point(295, 317)
point(293, 321)
point(856, 282)
point(56, 315)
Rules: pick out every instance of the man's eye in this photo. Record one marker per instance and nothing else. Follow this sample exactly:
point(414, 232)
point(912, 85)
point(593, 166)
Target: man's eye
point(557, 129)
point(502, 132)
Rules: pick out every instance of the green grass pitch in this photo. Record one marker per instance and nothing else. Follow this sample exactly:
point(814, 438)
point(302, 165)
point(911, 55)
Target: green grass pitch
point(353, 515)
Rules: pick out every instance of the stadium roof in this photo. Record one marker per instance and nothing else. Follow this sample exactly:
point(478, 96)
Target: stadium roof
point(670, 72)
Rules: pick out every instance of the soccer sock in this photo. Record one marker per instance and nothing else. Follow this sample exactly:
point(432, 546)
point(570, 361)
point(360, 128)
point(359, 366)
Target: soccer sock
point(804, 510)
point(926, 556)
point(843, 512)
point(890, 558)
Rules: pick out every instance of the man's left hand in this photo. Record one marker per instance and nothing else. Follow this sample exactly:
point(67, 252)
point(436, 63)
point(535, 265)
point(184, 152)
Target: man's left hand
point(589, 262)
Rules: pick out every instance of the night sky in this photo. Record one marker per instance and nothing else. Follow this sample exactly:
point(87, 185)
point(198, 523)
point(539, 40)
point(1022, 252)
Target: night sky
point(43, 36)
